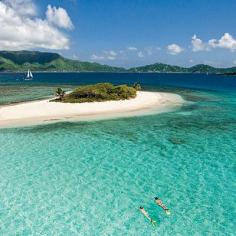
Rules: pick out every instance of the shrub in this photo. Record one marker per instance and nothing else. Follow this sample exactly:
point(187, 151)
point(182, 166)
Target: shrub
point(99, 92)
point(137, 86)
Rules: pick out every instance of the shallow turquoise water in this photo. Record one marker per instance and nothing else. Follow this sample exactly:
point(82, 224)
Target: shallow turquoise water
point(14, 93)
point(90, 178)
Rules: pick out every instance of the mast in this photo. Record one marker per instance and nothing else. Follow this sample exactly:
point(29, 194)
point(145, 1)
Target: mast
point(28, 74)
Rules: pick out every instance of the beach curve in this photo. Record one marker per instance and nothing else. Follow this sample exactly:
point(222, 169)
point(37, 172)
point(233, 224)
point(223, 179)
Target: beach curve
point(44, 111)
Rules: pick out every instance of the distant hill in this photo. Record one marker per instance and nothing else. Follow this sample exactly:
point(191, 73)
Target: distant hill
point(45, 61)
point(201, 68)
point(165, 68)
point(159, 68)
point(19, 61)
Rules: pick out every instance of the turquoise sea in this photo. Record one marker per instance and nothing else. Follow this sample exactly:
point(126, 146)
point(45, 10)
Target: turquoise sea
point(89, 178)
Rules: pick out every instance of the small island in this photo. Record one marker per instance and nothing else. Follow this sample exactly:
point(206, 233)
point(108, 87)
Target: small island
point(100, 92)
point(89, 102)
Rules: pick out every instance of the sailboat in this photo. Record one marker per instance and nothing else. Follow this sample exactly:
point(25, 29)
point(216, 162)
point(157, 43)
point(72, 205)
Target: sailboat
point(29, 75)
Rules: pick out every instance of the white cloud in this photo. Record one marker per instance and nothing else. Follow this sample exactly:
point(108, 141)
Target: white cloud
point(227, 41)
point(111, 53)
point(20, 28)
point(140, 54)
point(124, 54)
point(106, 55)
point(75, 56)
point(234, 62)
point(23, 7)
point(96, 57)
point(58, 17)
point(198, 44)
point(110, 58)
point(131, 48)
point(151, 50)
point(174, 49)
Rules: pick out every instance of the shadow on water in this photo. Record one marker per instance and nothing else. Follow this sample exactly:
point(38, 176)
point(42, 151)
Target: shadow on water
point(50, 128)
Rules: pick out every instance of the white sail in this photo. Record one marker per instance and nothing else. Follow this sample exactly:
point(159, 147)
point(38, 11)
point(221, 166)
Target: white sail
point(31, 75)
point(28, 74)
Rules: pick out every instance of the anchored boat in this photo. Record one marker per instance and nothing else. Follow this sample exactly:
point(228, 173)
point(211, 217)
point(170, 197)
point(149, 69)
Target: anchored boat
point(29, 75)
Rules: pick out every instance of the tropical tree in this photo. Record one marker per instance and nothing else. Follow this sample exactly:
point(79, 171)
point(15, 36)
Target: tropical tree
point(137, 86)
point(60, 93)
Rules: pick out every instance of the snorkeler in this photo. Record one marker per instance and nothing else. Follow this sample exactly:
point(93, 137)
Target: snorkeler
point(159, 202)
point(147, 216)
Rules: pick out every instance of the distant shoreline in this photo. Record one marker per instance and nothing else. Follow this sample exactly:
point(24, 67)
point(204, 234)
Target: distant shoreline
point(36, 61)
point(108, 72)
point(43, 111)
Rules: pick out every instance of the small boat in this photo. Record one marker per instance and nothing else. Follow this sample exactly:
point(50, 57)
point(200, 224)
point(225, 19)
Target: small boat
point(29, 75)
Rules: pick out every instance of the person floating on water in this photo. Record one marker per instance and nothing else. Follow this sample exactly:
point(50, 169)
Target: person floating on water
point(159, 202)
point(147, 216)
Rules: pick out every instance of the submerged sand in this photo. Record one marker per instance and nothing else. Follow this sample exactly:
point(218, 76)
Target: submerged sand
point(42, 111)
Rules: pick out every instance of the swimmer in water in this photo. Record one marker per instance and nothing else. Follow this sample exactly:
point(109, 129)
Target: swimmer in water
point(147, 216)
point(159, 202)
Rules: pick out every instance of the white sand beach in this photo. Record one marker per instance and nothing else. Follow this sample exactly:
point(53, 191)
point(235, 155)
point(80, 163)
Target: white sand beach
point(44, 111)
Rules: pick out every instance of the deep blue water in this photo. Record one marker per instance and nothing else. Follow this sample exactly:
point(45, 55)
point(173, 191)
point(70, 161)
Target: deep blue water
point(14, 89)
point(89, 178)
point(202, 81)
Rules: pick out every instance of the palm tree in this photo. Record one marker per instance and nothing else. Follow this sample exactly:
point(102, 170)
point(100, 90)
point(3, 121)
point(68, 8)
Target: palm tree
point(137, 86)
point(60, 93)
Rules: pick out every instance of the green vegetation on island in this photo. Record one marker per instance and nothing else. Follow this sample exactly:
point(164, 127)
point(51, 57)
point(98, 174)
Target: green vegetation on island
point(98, 93)
point(158, 68)
point(21, 61)
point(60, 93)
point(165, 68)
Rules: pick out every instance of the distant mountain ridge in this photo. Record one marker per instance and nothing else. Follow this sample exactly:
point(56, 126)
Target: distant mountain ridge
point(19, 61)
point(165, 68)
point(12, 61)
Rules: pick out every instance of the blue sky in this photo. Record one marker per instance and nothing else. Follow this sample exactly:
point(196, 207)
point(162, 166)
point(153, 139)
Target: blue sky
point(132, 32)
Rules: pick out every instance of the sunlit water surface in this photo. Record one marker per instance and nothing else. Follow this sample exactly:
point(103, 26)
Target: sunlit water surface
point(89, 178)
